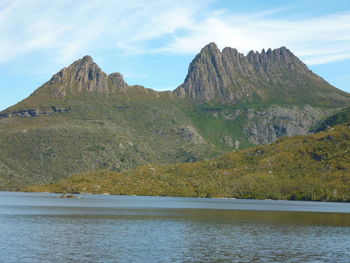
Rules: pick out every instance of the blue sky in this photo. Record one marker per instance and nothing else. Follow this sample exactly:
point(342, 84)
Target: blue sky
point(152, 42)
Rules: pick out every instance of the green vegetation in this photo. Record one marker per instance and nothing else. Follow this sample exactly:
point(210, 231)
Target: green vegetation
point(111, 133)
point(309, 167)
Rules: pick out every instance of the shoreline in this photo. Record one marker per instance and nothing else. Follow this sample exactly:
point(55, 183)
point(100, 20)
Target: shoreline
point(169, 196)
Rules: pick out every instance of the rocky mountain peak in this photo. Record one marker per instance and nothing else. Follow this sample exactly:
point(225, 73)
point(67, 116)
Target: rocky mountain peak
point(87, 59)
point(83, 75)
point(229, 76)
point(211, 48)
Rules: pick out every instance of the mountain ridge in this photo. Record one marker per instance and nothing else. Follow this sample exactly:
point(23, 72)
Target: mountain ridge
point(83, 119)
point(214, 76)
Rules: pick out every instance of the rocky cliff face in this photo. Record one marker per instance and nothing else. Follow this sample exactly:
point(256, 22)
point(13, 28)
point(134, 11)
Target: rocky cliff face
point(232, 77)
point(266, 126)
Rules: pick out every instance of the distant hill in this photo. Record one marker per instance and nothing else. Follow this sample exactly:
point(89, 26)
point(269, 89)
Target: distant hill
point(309, 167)
point(83, 119)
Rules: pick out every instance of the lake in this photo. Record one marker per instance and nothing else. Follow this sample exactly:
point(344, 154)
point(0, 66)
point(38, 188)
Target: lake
point(40, 227)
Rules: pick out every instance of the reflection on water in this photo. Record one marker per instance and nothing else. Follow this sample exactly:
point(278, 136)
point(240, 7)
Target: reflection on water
point(45, 228)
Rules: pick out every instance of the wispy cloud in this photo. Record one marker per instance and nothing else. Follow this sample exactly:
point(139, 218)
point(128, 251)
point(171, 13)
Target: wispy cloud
point(318, 40)
point(71, 28)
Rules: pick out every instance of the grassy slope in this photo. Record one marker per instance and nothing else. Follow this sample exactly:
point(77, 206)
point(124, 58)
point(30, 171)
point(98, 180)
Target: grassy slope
point(311, 167)
point(114, 133)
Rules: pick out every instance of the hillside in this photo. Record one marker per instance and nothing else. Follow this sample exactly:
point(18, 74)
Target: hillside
point(83, 119)
point(343, 116)
point(309, 167)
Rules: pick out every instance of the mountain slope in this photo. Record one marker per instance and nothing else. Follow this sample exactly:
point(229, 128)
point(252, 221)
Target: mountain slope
point(83, 119)
point(311, 167)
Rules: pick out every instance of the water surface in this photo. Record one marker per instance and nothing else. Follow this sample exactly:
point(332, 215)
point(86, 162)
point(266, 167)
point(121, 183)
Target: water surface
point(36, 227)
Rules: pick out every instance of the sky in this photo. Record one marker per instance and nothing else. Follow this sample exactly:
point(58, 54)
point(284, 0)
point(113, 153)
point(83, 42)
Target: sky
point(152, 42)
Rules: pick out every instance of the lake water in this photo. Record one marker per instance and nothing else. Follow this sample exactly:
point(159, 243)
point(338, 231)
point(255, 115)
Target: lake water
point(38, 227)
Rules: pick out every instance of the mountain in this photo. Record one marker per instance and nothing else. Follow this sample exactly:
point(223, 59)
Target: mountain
point(309, 167)
point(273, 76)
point(83, 119)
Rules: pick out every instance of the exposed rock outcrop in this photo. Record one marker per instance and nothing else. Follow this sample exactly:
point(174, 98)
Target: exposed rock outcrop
point(189, 133)
point(227, 140)
point(117, 81)
point(268, 125)
point(35, 112)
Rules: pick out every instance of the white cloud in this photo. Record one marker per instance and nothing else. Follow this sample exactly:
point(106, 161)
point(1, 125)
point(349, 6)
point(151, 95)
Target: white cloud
point(317, 40)
point(72, 28)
